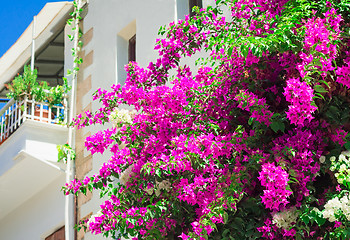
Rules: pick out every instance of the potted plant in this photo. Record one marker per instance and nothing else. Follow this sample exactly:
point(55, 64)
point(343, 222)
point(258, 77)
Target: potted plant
point(27, 85)
point(24, 85)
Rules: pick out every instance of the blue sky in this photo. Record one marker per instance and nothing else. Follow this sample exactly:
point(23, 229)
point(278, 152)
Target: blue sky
point(15, 16)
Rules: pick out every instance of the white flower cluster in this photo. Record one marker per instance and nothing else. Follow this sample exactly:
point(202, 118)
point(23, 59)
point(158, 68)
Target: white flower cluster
point(163, 185)
point(92, 218)
point(121, 116)
point(322, 159)
point(341, 167)
point(337, 206)
point(125, 176)
point(285, 219)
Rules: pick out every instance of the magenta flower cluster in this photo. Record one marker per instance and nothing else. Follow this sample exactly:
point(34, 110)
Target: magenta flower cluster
point(319, 44)
point(343, 73)
point(275, 180)
point(258, 107)
point(299, 95)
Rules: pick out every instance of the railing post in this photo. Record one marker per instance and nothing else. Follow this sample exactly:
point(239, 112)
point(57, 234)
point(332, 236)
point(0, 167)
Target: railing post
point(6, 122)
point(32, 109)
point(25, 113)
point(10, 114)
point(49, 115)
point(19, 117)
point(65, 110)
point(41, 112)
point(6, 119)
point(2, 122)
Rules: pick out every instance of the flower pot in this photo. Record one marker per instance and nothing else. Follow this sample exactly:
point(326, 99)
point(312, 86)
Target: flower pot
point(45, 115)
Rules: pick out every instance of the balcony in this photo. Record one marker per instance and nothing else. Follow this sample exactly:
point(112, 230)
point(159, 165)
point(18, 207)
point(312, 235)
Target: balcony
point(30, 132)
point(15, 113)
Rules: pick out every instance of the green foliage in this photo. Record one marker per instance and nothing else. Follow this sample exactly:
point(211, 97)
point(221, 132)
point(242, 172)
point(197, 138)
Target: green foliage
point(27, 85)
point(243, 223)
point(337, 111)
point(75, 19)
point(24, 84)
point(277, 123)
point(63, 152)
point(313, 216)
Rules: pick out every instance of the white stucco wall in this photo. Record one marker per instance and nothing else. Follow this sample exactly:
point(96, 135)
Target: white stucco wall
point(38, 217)
point(38, 139)
point(113, 23)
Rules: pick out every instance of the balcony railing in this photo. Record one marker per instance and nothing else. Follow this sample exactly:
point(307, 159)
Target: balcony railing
point(15, 113)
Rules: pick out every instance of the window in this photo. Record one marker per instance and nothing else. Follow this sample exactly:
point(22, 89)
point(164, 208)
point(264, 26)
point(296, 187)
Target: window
point(132, 49)
point(193, 3)
point(125, 50)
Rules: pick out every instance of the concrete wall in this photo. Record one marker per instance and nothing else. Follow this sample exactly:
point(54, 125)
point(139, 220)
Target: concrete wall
point(107, 27)
point(38, 139)
point(38, 217)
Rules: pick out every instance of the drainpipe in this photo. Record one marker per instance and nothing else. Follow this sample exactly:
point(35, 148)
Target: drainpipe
point(175, 12)
point(70, 172)
point(33, 45)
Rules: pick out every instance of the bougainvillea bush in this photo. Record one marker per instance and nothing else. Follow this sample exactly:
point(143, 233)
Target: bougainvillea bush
point(252, 143)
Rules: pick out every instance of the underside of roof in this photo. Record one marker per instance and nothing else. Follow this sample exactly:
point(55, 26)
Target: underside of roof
point(49, 47)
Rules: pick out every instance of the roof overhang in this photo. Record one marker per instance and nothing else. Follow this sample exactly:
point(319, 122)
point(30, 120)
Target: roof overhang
point(49, 21)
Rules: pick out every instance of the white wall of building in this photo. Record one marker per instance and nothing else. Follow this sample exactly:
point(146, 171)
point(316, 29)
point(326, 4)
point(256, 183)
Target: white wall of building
point(114, 22)
point(38, 139)
point(38, 217)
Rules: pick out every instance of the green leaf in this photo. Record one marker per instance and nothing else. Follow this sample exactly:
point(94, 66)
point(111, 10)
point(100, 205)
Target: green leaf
point(99, 185)
point(318, 217)
point(305, 218)
point(251, 120)
point(347, 145)
point(320, 220)
point(319, 95)
point(229, 52)
point(320, 89)
point(244, 50)
point(225, 217)
point(324, 82)
point(277, 126)
point(299, 237)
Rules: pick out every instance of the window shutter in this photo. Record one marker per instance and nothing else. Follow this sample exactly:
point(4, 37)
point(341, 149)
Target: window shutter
point(132, 49)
